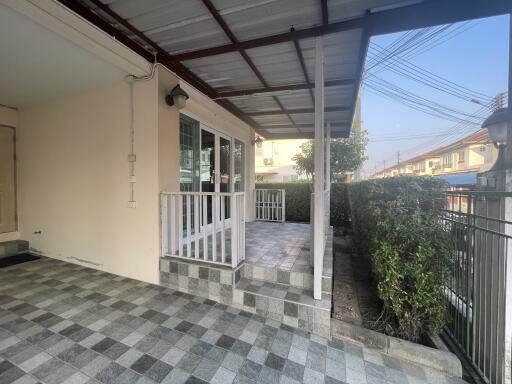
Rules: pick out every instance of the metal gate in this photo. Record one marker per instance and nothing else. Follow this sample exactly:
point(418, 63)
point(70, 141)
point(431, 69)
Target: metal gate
point(270, 205)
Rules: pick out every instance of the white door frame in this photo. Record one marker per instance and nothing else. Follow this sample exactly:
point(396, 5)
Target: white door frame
point(217, 135)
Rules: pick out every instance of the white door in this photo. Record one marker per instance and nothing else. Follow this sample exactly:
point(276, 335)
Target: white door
point(215, 174)
point(7, 181)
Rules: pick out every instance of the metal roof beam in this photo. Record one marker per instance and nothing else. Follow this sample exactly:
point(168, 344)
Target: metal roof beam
point(302, 135)
point(215, 14)
point(363, 49)
point(325, 12)
point(304, 69)
point(337, 125)
point(298, 110)
point(162, 56)
point(283, 88)
point(425, 14)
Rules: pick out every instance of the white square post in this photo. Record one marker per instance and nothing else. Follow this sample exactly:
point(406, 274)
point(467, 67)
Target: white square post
point(318, 223)
point(328, 156)
point(250, 180)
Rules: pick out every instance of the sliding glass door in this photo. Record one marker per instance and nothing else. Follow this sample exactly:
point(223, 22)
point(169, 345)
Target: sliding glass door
point(210, 162)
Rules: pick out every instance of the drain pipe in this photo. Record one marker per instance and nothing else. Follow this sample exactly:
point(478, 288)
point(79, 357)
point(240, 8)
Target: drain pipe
point(132, 158)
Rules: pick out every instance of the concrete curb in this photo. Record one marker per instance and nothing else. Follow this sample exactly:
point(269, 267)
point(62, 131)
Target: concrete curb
point(440, 360)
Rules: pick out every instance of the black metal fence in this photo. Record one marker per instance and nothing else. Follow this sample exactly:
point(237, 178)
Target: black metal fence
point(476, 286)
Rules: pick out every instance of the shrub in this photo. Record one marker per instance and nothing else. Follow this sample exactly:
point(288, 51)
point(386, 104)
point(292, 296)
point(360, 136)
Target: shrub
point(340, 207)
point(397, 224)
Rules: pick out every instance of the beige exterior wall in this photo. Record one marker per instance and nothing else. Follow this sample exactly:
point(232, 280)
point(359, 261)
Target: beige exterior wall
point(483, 156)
point(73, 172)
point(73, 180)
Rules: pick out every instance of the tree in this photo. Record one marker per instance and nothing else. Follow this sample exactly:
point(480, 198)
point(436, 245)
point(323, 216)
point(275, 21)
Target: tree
point(347, 155)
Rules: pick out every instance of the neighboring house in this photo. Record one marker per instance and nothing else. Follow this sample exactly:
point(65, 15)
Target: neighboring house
point(472, 154)
point(274, 160)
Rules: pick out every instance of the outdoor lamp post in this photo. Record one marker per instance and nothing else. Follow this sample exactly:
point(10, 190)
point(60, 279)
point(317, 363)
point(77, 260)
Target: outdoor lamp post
point(496, 125)
point(177, 97)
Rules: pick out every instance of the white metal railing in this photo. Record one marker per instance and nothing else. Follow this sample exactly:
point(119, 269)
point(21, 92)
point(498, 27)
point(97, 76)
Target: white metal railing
point(270, 205)
point(204, 226)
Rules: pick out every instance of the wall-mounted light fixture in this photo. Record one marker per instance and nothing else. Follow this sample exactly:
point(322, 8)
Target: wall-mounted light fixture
point(177, 97)
point(497, 125)
point(258, 141)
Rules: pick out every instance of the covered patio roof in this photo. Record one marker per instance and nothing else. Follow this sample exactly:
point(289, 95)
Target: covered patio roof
point(256, 58)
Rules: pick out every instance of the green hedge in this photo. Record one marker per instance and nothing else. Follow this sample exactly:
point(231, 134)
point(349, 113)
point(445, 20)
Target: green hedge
point(396, 224)
point(298, 200)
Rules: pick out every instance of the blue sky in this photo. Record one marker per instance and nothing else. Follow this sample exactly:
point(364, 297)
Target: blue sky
point(476, 58)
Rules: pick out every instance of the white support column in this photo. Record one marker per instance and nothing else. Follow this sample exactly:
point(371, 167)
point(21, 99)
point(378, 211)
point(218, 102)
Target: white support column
point(328, 155)
point(250, 180)
point(318, 230)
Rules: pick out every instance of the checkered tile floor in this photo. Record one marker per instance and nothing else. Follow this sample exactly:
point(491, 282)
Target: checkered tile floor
point(63, 323)
point(281, 245)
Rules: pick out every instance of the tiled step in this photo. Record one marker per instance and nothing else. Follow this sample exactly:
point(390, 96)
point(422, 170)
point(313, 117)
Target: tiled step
point(11, 248)
point(301, 278)
point(290, 305)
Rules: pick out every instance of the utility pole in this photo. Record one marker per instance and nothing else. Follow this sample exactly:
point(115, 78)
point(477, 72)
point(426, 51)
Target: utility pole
point(398, 161)
point(384, 170)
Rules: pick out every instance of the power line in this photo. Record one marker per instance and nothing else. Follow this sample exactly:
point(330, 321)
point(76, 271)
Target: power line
point(414, 72)
point(414, 101)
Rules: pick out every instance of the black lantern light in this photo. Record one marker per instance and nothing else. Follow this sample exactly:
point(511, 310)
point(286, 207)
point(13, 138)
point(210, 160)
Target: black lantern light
point(177, 97)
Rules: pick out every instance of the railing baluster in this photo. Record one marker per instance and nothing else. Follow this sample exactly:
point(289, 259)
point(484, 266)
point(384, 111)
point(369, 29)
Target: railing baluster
point(165, 224)
point(223, 228)
point(283, 202)
point(174, 249)
point(189, 227)
point(205, 225)
point(180, 225)
point(197, 226)
point(214, 228)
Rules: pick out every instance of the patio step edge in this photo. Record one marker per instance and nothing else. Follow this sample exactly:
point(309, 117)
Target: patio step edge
point(298, 279)
point(440, 360)
point(313, 316)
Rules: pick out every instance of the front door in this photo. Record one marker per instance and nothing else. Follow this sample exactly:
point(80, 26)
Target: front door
point(7, 181)
point(215, 164)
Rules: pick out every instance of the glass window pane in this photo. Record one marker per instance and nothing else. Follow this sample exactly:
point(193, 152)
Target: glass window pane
point(225, 164)
point(189, 154)
point(239, 171)
point(207, 161)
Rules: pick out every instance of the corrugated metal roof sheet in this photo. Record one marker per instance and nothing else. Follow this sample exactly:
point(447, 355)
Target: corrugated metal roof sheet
point(187, 26)
point(224, 72)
